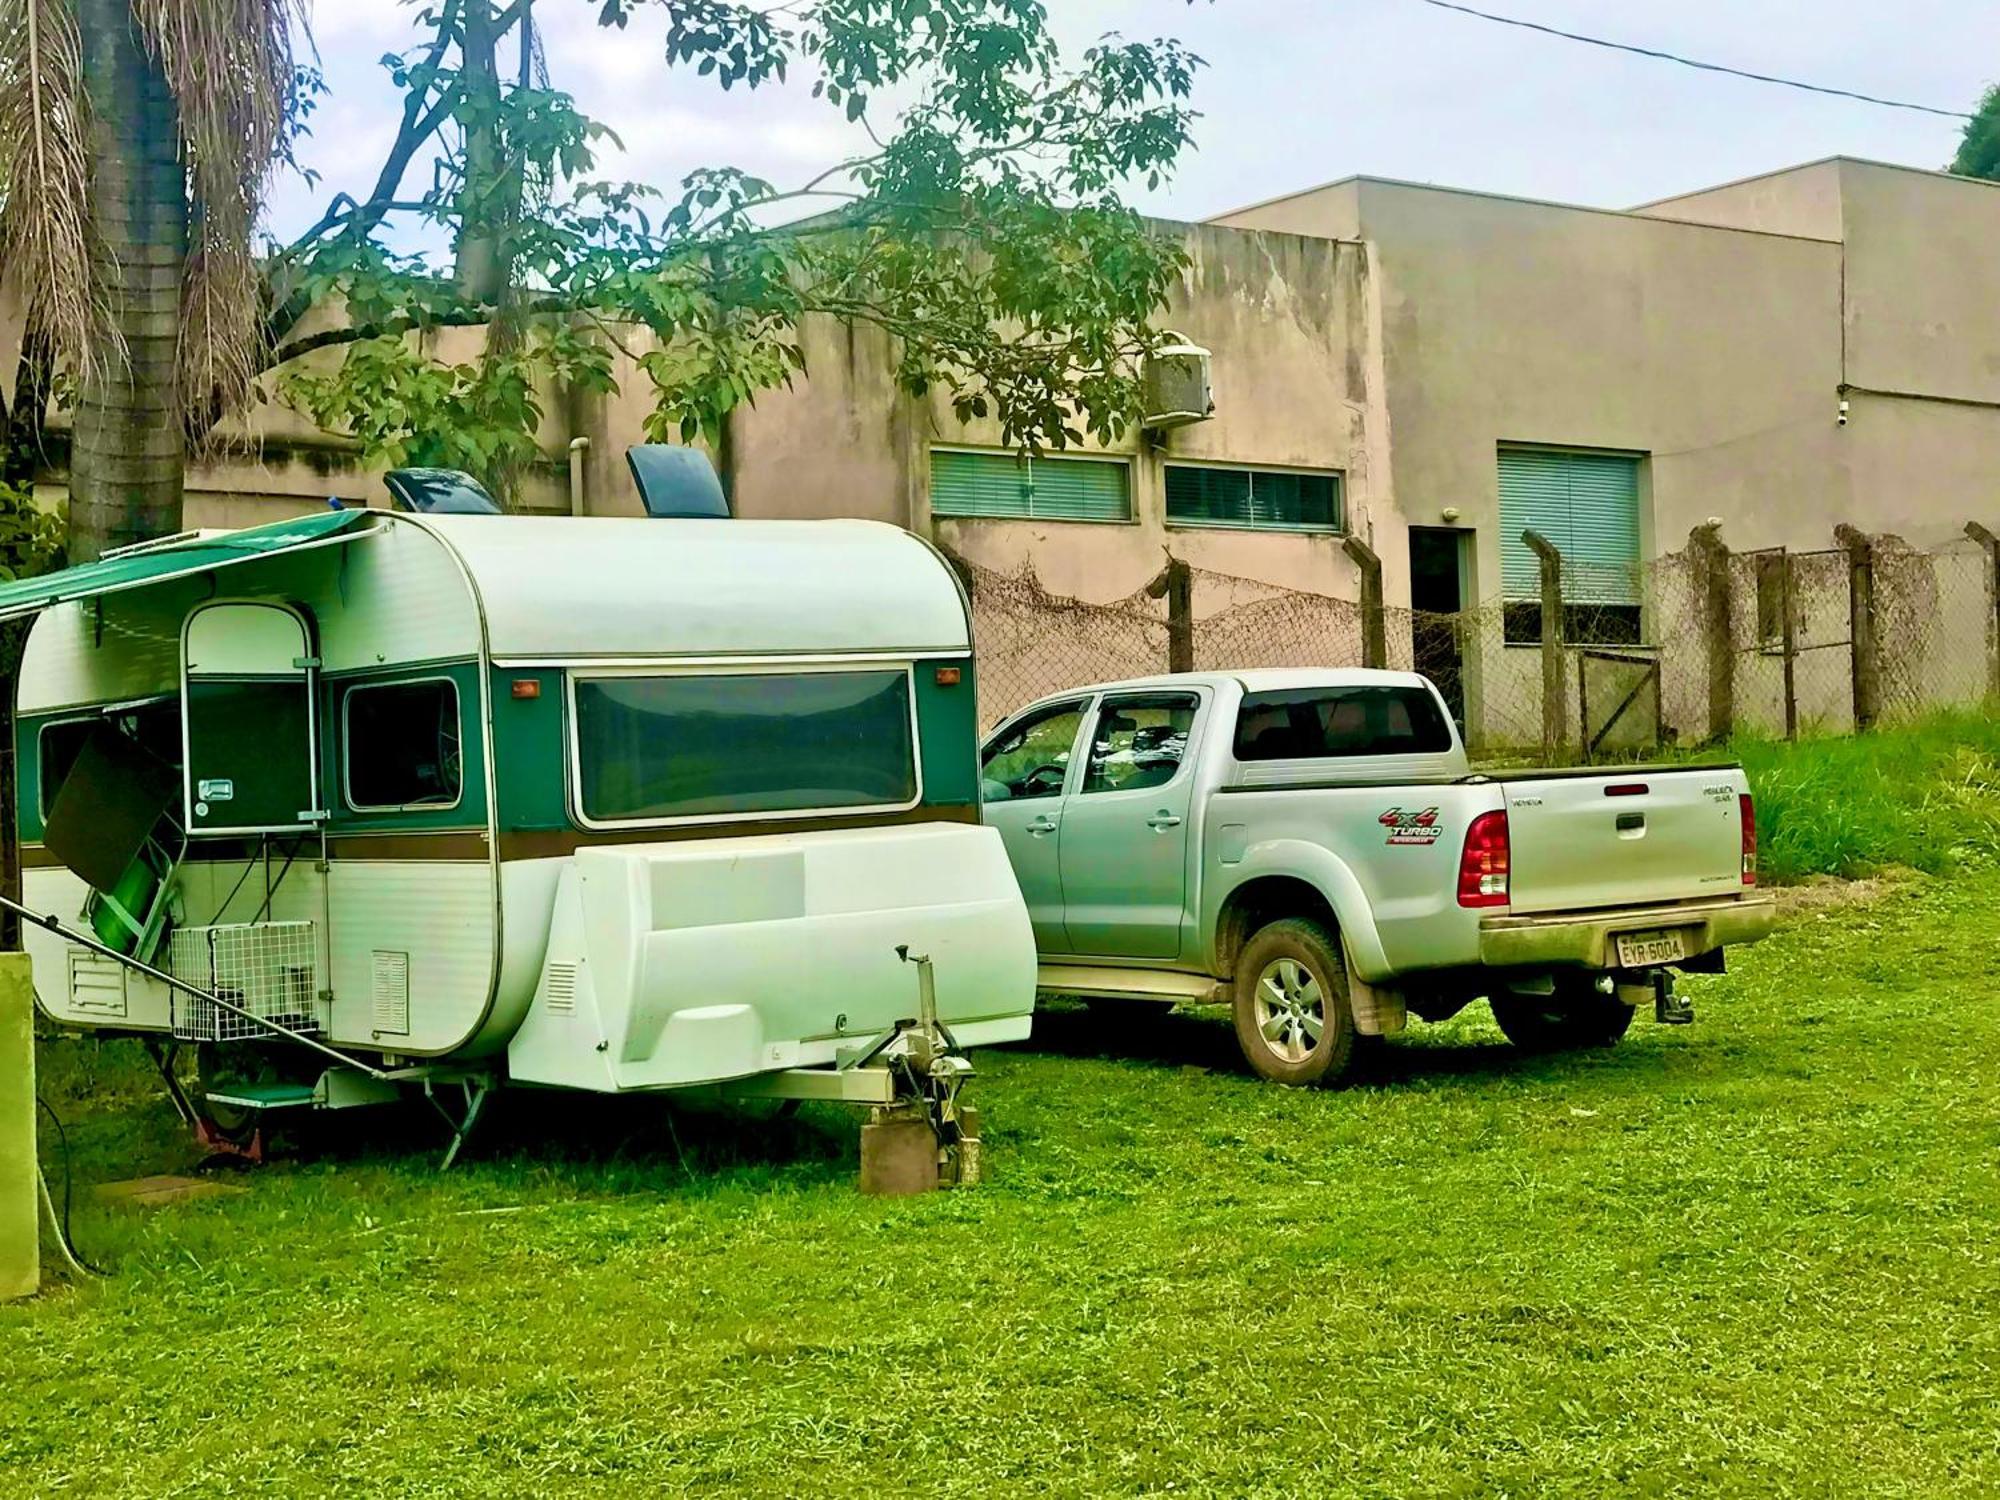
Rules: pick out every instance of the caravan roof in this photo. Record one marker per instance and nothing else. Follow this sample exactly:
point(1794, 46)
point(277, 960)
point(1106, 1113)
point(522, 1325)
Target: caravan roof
point(560, 587)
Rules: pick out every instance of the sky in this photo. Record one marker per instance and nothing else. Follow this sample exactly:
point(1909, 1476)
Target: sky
point(1301, 92)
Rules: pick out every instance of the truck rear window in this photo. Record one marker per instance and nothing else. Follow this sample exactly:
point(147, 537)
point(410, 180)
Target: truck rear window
point(1314, 723)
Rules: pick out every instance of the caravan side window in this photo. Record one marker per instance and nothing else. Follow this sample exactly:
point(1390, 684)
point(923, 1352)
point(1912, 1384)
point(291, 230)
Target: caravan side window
point(402, 745)
point(721, 745)
point(156, 726)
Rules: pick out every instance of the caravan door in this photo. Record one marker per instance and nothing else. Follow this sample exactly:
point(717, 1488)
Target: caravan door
point(250, 733)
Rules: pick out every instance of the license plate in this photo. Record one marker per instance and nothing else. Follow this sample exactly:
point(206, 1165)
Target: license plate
point(1641, 950)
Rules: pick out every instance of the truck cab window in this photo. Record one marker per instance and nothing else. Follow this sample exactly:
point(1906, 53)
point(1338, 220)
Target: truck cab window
point(1139, 742)
point(1030, 757)
point(1319, 723)
point(402, 743)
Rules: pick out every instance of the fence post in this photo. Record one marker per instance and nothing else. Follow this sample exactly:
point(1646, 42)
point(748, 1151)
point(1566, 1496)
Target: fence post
point(1552, 642)
point(1176, 585)
point(1991, 543)
point(1374, 623)
point(1788, 627)
point(1717, 624)
point(1866, 647)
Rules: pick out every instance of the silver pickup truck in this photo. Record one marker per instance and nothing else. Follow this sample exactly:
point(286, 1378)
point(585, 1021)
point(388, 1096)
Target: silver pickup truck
point(1312, 848)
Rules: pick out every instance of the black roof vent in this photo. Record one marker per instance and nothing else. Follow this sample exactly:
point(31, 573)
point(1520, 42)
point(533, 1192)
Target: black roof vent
point(677, 482)
point(440, 492)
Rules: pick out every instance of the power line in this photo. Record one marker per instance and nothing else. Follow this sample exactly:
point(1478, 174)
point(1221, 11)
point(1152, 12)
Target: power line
point(1689, 62)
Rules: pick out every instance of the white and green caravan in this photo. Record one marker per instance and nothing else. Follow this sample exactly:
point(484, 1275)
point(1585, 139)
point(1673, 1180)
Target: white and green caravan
point(593, 803)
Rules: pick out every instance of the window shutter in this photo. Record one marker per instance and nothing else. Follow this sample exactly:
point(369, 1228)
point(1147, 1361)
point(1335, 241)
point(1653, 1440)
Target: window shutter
point(1603, 529)
point(1053, 489)
point(1264, 499)
point(1588, 505)
point(978, 484)
point(1078, 489)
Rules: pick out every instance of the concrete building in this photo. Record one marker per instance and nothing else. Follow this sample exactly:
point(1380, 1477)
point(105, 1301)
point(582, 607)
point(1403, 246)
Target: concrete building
point(1429, 370)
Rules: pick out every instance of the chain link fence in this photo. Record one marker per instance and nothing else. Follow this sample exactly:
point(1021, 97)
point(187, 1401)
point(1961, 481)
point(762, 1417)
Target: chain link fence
point(1686, 648)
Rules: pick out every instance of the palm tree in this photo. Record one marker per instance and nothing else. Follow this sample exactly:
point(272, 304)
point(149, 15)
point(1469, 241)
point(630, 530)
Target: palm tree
point(136, 139)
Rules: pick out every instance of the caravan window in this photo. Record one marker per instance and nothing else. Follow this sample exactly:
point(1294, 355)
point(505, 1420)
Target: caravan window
point(743, 744)
point(155, 725)
point(402, 745)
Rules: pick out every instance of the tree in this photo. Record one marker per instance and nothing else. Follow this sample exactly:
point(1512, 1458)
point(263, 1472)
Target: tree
point(1979, 149)
point(983, 232)
point(136, 137)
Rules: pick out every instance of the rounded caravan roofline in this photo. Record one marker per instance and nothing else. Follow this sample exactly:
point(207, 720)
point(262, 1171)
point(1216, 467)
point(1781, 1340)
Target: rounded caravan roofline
point(566, 588)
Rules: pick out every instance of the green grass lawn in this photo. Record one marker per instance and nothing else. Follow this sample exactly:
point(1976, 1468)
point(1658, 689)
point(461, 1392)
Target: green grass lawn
point(1758, 1255)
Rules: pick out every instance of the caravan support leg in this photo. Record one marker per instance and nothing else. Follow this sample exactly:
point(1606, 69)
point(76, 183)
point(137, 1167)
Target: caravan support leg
point(476, 1089)
point(164, 1055)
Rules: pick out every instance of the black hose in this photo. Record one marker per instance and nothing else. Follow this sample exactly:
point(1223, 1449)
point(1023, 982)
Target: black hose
point(69, 1185)
point(283, 870)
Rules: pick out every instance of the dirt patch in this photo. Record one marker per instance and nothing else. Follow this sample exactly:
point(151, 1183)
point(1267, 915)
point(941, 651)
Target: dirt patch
point(1829, 892)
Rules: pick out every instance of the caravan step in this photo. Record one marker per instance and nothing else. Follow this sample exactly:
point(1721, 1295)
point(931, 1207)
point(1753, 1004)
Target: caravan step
point(1105, 980)
point(263, 1095)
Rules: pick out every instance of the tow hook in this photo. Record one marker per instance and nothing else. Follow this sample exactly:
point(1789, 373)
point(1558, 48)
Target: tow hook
point(1670, 1009)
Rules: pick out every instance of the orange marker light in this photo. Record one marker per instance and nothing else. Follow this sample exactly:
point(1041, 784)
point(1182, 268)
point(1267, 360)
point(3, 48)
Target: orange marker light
point(949, 676)
point(527, 687)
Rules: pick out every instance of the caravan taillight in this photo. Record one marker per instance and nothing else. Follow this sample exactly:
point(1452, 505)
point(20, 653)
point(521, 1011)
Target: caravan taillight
point(1482, 868)
point(1748, 817)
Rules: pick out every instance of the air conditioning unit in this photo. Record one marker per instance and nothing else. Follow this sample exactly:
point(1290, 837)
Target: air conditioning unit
point(1176, 386)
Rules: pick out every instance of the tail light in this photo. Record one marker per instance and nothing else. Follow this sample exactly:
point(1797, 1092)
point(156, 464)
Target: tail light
point(1482, 868)
point(1748, 818)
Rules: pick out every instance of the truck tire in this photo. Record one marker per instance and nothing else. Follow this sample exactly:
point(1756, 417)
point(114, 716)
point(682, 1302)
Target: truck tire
point(1576, 1015)
point(1293, 1020)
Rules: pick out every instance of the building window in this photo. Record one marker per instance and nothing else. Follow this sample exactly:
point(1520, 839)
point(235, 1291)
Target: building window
point(401, 743)
point(1260, 499)
point(649, 749)
point(1025, 487)
point(1587, 504)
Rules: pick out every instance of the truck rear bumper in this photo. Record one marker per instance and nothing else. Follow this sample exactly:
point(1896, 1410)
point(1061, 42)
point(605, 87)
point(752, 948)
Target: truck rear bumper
point(1585, 939)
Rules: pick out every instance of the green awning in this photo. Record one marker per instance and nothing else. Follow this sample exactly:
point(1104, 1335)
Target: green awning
point(135, 567)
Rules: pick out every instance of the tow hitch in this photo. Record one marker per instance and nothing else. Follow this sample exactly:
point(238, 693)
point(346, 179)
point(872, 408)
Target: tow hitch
point(1670, 1008)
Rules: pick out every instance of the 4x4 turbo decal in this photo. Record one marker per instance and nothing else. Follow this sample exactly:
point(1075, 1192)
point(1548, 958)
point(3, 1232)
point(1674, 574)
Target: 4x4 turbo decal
point(1411, 827)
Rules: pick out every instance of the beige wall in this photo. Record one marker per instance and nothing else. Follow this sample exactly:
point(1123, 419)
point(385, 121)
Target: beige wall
point(1286, 318)
point(1713, 351)
point(1923, 302)
point(1803, 201)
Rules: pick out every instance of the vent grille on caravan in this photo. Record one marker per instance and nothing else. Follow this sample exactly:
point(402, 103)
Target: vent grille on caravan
point(560, 989)
point(391, 992)
point(96, 984)
point(270, 969)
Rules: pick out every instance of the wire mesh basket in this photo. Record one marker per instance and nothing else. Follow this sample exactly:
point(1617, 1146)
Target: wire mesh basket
point(268, 969)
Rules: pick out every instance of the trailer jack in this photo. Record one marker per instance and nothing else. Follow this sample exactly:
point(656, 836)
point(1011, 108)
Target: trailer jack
point(474, 1090)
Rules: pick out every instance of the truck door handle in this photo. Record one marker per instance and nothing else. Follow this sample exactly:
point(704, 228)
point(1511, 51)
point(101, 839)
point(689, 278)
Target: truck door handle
point(1041, 826)
point(1162, 820)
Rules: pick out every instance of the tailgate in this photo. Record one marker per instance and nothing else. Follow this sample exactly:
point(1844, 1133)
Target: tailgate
point(1624, 838)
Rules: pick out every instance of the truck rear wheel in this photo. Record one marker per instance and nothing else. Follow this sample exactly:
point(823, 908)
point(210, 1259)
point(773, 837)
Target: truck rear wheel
point(1576, 1015)
point(1293, 1020)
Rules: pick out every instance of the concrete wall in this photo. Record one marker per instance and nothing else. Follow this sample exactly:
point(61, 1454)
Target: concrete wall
point(1803, 201)
point(1296, 382)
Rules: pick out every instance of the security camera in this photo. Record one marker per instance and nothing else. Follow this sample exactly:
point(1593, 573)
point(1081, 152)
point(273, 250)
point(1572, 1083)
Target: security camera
point(1842, 418)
